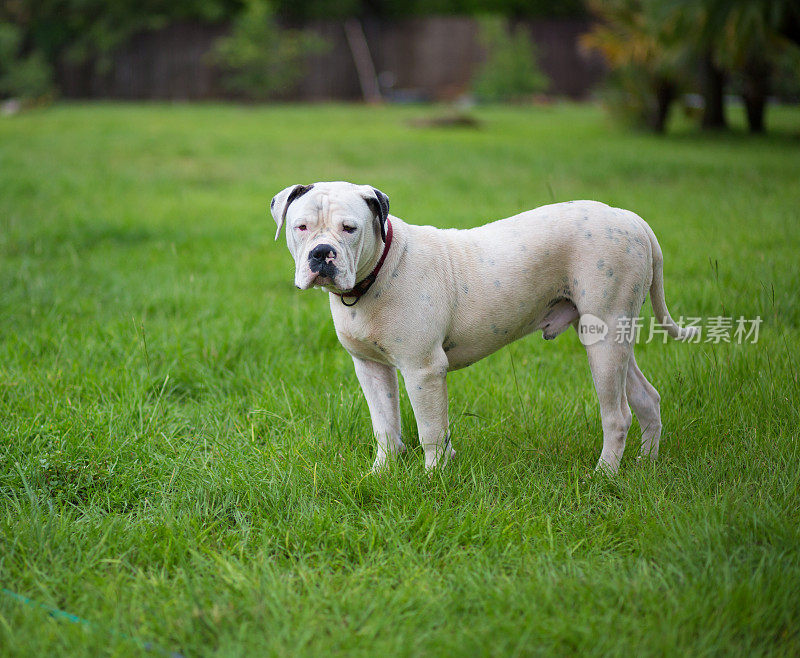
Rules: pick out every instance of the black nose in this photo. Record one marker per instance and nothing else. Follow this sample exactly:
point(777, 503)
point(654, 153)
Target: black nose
point(321, 253)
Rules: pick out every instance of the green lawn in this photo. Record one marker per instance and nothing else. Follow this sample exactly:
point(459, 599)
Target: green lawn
point(184, 444)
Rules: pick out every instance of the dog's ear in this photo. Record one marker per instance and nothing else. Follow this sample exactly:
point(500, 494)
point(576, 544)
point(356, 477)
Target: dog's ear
point(378, 202)
point(280, 203)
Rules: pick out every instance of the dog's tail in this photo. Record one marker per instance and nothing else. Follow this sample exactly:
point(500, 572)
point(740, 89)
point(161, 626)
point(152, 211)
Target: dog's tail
point(657, 299)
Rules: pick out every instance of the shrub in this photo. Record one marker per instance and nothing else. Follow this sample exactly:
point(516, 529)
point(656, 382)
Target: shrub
point(511, 71)
point(260, 57)
point(28, 77)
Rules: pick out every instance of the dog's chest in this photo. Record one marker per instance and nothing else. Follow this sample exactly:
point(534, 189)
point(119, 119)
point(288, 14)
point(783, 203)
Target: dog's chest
point(360, 334)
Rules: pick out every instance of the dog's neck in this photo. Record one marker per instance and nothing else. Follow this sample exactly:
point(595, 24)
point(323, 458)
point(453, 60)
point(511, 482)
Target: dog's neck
point(368, 265)
point(364, 284)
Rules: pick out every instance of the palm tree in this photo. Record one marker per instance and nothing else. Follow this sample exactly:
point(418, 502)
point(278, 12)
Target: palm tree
point(749, 41)
point(644, 52)
point(742, 37)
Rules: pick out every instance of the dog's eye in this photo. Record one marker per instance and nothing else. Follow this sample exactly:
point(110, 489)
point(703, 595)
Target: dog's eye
point(302, 227)
point(349, 229)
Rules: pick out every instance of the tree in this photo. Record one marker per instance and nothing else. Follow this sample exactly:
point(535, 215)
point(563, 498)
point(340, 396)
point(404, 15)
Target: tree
point(739, 40)
point(91, 30)
point(749, 42)
point(27, 76)
point(646, 56)
point(655, 48)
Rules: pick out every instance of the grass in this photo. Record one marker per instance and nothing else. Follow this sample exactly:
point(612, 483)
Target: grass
point(184, 443)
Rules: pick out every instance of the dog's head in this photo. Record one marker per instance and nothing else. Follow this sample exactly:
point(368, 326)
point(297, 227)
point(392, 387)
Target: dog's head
point(333, 231)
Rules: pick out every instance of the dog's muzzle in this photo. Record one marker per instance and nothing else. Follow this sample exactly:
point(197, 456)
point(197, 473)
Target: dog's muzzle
point(320, 261)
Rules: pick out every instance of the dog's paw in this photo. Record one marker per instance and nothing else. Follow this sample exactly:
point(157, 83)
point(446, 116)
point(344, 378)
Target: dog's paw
point(383, 459)
point(438, 464)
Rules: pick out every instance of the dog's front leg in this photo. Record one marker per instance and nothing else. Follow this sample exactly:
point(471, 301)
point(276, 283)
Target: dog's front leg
point(427, 390)
point(379, 383)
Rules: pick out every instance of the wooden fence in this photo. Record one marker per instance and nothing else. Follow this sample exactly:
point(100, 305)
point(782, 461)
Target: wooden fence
point(422, 58)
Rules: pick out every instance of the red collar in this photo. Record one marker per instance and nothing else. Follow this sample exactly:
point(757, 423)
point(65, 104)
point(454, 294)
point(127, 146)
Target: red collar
point(360, 289)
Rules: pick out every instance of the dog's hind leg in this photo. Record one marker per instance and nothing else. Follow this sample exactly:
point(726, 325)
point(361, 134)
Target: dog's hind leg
point(645, 402)
point(609, 363)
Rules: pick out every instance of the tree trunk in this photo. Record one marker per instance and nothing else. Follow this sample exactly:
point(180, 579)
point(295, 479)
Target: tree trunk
point(665, 95)
point(713, 80)
point(757, 74)
point(362, 58)
point(755, 107)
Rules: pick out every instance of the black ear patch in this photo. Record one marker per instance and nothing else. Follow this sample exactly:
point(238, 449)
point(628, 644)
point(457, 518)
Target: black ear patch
point(383, 200)
point(296, 193)
point(379, 205)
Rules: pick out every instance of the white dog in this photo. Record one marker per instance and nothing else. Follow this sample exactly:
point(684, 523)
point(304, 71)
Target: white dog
point(425, 301)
